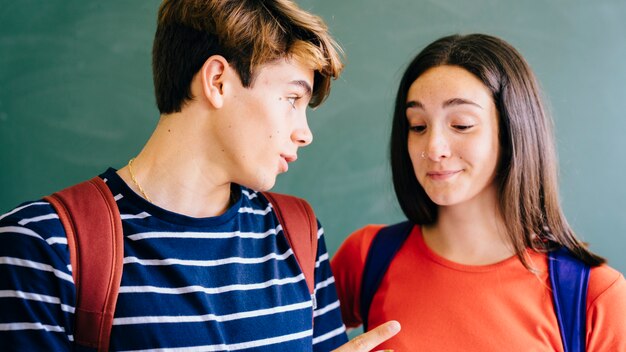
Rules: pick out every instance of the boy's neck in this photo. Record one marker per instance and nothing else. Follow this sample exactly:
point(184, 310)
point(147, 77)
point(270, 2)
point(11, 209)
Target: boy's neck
point(174, 172)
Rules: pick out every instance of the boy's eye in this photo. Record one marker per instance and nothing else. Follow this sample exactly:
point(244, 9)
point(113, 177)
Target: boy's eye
point(292, 101)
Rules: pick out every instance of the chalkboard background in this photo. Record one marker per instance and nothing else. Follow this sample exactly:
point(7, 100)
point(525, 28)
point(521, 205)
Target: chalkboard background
point(76, 96)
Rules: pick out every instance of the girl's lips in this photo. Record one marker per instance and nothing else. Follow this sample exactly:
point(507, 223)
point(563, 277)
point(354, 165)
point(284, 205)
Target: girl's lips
point(442, 175)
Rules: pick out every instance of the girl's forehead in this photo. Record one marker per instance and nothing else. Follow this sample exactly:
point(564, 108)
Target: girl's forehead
point(443, 83)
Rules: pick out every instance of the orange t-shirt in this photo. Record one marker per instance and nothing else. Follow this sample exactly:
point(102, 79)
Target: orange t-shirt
point(446, 306)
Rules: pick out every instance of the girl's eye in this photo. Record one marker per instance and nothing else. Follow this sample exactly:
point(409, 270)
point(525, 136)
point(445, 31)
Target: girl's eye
point(463, 127)
point(418, 128)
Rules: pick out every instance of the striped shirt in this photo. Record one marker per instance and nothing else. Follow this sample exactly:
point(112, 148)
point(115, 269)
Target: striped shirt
point(224, 283)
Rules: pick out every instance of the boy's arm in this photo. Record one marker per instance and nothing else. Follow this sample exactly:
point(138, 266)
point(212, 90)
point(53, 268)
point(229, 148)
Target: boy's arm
point(328, 329)
point(329, 333)
point(37, 293)
point(369, 340)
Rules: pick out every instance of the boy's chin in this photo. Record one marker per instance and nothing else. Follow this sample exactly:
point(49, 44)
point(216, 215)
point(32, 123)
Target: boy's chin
point(262, 185)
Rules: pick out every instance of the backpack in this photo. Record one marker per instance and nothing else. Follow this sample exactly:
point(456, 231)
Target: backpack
point(569, 278)
point(91, 219)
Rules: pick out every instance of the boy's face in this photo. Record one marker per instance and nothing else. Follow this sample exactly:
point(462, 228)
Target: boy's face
point(264, 125)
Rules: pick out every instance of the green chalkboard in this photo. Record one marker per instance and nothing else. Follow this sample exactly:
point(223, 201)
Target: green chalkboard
point(76, 96)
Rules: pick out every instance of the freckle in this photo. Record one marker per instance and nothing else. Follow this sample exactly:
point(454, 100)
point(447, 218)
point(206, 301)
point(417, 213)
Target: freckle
point(270, 136)
point(168, 130)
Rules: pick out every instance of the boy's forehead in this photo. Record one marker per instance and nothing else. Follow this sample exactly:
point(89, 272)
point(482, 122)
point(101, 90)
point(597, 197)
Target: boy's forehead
point(285, 71)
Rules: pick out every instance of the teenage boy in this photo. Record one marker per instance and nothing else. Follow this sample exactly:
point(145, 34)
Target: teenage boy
point(206, 264)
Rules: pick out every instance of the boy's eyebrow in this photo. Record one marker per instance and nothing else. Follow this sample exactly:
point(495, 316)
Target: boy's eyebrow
point(304, 85)
point(447, 103)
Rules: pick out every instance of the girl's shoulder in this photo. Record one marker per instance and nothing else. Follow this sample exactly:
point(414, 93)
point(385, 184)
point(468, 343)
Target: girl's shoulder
point(606, 309)
point(357, 244)
point(605, 281)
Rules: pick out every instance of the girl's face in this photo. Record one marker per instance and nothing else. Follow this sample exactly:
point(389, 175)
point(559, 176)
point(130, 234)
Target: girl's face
point(453, 136)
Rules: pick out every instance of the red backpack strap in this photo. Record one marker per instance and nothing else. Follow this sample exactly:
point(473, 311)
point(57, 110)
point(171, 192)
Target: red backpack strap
point(91, 219)
point(300, 227)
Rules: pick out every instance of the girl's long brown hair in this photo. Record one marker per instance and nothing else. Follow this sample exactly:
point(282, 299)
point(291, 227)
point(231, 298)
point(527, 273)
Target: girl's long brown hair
point(527, 170)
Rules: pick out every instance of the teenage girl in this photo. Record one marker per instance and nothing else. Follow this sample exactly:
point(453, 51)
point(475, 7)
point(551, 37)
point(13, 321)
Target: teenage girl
point(474, 169)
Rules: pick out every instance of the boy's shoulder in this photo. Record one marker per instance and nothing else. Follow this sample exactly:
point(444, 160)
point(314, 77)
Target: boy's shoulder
point(33, 218)
point(33, 232)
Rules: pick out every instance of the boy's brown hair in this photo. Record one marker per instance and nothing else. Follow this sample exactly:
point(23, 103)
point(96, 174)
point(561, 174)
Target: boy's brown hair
point(248, 33)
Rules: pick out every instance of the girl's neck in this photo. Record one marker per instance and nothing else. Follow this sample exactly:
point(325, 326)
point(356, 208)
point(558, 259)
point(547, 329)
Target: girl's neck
point(473, 233)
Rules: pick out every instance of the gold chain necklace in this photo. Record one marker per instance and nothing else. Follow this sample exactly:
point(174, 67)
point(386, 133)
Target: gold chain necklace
point(132, 177)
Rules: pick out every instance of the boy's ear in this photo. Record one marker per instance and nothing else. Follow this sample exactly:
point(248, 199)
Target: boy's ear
point(213, 74)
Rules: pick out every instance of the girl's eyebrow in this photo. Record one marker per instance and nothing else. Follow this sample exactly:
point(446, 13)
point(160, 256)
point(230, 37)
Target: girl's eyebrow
point(450, 102)
point(459, 101)
point(414, 104)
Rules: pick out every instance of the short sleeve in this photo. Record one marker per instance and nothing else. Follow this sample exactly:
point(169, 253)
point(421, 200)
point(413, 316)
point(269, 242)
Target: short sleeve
point(347, 265)
point(37, 292)
point(606, 310)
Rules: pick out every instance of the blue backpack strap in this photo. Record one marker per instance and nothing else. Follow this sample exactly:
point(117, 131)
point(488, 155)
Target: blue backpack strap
point(569, 278)
point(384, 247)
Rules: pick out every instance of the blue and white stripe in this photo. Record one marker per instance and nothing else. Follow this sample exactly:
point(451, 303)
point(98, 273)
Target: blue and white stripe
point(227, 283)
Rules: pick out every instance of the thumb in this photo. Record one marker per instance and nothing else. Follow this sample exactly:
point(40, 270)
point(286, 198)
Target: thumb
point(365, 342)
